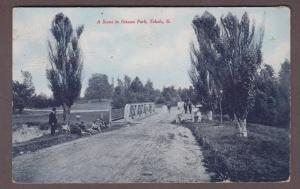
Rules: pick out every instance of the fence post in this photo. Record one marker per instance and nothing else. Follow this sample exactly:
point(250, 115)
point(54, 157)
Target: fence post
point(127, 112)
point(110, 122)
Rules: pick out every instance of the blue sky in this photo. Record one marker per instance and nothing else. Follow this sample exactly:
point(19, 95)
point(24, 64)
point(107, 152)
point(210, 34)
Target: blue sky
point(158, 52)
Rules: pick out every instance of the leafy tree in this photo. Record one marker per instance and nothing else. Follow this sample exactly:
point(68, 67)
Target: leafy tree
point(170, 95)
point(64, 72)
point(118, 98)
point(187, 94)
point(98, 87)
point(136, 85)
point(27, 80)
point(265, 109)
point(136, 91)
point(127, 82)
point(204, 60)
point(242, 56)
point(272, 97)
point(121, 95)
point(284, 94)
point(149, 92)
point(43, 101)
point(22, 92)
point(127, 93)
point(40, 101)
point(228, 58)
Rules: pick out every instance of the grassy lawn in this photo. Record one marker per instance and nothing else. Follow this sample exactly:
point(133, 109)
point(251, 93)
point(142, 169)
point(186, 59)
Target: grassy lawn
point(41, 118)
point(84, 106)
point(263, 156)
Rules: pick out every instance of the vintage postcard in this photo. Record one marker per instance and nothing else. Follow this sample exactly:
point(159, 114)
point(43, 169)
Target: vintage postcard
point(151, 94)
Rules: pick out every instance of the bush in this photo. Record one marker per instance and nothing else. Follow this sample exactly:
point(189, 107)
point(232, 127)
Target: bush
point(42, 101)
point(19, 105)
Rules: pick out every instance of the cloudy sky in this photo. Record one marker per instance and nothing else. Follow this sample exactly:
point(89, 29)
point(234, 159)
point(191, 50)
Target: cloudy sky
point(156, 51)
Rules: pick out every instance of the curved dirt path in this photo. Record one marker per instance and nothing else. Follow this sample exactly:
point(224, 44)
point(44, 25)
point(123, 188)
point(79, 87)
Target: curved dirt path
point(153, 150)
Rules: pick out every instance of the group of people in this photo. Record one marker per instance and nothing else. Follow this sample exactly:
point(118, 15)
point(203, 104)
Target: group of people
point(78, 128)
point(188, 111)
point(187, 107)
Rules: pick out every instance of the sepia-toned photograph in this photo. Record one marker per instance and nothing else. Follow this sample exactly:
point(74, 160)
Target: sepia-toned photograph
point(151, 94)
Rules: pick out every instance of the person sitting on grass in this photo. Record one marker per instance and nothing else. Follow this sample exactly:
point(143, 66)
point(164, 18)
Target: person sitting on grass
point(101, 124)
point(96, 126)
point(75, 128)
point(197, 116)
point(82, 126)
point(84, 129)
point(65, 128)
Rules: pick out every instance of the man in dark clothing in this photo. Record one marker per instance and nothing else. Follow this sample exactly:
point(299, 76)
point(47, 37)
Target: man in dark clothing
point(190, 106)
point(169, 107)
point(185, 107)
point(75, 129)
point(53, 120)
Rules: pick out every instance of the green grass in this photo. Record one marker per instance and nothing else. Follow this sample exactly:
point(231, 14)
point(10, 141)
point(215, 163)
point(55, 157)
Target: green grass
point(91, 106)
point(262, 157)
point(41, 119)
point(85, 106)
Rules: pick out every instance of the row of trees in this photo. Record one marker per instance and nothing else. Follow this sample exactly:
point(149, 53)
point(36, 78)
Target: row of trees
point(22, 92)
point(99, 87)
point(24, 95)
point(271, 105)
point(225, 64)
point(272, 97)
point(129, 90)
point(126, 91)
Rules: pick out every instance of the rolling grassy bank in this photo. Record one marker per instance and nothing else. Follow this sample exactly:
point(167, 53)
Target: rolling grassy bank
point(262, 157)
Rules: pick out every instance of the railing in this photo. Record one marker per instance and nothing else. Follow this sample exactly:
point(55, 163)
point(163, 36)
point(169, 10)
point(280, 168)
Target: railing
point(138, 111)
point(117, 114)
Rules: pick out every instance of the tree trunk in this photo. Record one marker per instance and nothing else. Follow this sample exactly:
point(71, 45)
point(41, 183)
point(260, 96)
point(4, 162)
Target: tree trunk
point(221, 113)
point(210, 115)
point(68, 117)
point(231, 115)
point(242, 128)
point(66, 114)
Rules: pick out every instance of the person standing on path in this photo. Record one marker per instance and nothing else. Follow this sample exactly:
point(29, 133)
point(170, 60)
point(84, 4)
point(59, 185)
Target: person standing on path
point(169, 107)
point(190, 106)
point(52, 121)
point(185, 107)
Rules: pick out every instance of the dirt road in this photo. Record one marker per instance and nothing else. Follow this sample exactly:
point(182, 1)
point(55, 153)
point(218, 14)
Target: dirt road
point(153, 150)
